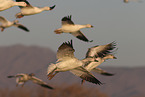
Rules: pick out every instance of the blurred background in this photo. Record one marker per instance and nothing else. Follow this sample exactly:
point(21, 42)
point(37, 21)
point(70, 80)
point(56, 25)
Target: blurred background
point(113, 20)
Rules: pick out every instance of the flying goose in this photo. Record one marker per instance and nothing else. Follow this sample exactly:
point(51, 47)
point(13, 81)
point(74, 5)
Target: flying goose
point(23, 78)
point(67, 62)
point(6, 4)
point(69, 27)
point(6, 24)
point(99, 51)
point(99, 54)
point(31, 10)
point(89, 66)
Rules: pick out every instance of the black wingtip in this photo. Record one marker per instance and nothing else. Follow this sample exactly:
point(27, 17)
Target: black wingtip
point(67, 18)
point(91, 79)
point(70, 43)
point(107, 74)
point(10, 76)
point(52, 7)
point(90, 41)
point(23, 28)
point(46, 86)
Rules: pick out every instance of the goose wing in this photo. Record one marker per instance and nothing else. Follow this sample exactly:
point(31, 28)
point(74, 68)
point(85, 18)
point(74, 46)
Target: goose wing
point(22, 27)
point(28, 4)
point(80, 36)
point(14, 76)
point(103, 72)
point(40, 82)
point(65, 50)
point(100, 51)
point(85, 75)
point(3, 20)
point(67, 20)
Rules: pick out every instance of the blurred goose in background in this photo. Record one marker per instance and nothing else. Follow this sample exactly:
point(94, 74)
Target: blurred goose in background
point(69, 27)
point(6, 4)
point(31, 10)
point(23, 78)
point(127, 1)
point(67, 62)
point(6, 24)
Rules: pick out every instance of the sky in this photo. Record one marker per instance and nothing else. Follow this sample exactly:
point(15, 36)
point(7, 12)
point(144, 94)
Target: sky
point(113, 20)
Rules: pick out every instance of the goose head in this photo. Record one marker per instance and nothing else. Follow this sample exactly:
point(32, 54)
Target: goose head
point(19, 15)
point(31, 74)
point(126, 1)
point(110, 56)
point(89, 26)
point(48, 8)
point(15, 21)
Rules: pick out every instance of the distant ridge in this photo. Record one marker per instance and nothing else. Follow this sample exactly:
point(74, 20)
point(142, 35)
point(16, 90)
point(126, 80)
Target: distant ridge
point(24, 59)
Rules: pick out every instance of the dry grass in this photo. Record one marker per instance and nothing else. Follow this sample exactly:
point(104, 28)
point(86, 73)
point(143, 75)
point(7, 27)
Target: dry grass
point(74, 90)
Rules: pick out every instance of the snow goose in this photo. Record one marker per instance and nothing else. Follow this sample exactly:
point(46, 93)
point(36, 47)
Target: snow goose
point(67, 62)
point(23, 78)
point(6, 24)
point(89, 66)
point(99, 54)
point(6, 4)
point(69, 27)
point(31, 10)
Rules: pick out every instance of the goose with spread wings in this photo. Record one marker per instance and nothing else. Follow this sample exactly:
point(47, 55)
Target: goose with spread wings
point(6, 24)
point(6, 4)
point(67, 62)
point(69, 27)
point(22, 78)
point(99, 54)
point(31, 10)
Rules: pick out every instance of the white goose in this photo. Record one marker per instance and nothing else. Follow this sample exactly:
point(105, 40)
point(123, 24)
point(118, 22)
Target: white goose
point(90, 66)
point(6, 4)
point(6, 24)
point(31, 10)
point(99, 54)
point(67, 62)
point(23, 78)
point(69, 27)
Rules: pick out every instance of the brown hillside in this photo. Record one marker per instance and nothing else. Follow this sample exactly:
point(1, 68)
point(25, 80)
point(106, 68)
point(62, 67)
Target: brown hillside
point(24, 59)
point(127, 82)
